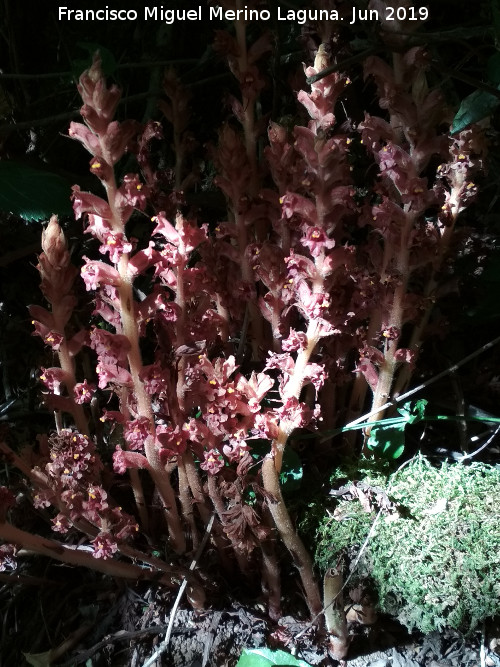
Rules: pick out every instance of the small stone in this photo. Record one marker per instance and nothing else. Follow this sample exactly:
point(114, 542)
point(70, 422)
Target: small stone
point(381, 662)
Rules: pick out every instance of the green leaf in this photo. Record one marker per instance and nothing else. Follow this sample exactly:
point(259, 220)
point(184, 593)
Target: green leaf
point(31, 193)
point(388, 442)
point(476, 106)
point(264, 657)
point(413, 411)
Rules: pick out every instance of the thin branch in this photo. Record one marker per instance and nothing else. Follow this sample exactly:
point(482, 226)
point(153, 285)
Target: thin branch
point(4, 76)
point(164, 645)
point(455, 74)
point(120, 636)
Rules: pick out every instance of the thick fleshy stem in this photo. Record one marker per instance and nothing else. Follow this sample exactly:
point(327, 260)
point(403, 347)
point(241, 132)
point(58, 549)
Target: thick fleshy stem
point(395, 320)
point(135, 480)
point(292, 541)
point(144, 409)
point(58, 551)
point(271, 570)
point(270, 475)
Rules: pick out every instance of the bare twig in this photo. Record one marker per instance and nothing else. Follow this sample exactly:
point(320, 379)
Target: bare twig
point(119, 636)
point(483, 446)
point(58, 75)
point(164, 645)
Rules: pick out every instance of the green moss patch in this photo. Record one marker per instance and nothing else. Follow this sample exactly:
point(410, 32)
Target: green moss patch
point(435, 560)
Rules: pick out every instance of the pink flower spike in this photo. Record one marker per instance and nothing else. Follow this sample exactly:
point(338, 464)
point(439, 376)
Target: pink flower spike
point(93, 90)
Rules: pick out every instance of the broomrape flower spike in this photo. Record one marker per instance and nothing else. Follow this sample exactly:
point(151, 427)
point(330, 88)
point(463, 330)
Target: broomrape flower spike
point(208, 338)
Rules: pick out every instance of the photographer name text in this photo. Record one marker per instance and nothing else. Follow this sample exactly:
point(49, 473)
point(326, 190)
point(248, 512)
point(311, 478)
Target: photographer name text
point(300, 16)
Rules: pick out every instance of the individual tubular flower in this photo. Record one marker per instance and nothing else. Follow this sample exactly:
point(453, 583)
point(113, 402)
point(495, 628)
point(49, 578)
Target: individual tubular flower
point(83, 392)
point(53, 378)
point(136, 432)
point(124, 460)
point(95, 273)
point(104, 546)
point(212, 462)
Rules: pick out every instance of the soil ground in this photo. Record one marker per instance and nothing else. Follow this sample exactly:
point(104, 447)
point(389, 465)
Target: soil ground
point(135, 625)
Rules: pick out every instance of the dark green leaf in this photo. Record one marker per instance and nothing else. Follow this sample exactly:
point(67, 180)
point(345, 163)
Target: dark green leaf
point(413, 411)
point(31, 193)
point(474, 107)
point(388, 443)
point(265, 657)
